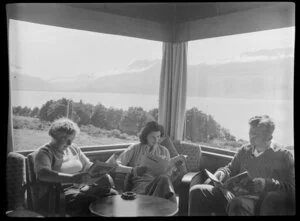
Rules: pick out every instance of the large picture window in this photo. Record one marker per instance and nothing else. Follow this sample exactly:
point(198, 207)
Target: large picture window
point(233, 78)
point(107, 84)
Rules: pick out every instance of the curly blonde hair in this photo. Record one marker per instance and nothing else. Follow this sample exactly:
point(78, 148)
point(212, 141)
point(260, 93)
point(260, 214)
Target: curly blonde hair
point(63, 127)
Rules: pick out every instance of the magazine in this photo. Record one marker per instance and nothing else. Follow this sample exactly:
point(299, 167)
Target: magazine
point(240, 184)
point(99, 168)
point(158, 165)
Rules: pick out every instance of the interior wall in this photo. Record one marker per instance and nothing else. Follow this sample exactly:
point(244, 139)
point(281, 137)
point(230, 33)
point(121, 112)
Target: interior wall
point(58, 14)
point(280, 15)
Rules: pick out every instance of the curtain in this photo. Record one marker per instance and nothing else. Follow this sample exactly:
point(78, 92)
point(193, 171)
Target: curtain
point(172, 92)
point(9, 124)
point(9, 120)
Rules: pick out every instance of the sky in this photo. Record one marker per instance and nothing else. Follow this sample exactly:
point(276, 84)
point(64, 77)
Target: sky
point(51, 52)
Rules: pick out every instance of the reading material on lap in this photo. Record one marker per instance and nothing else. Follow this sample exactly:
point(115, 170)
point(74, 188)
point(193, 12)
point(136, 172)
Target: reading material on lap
point(158, 165)
point(99, 168)
point(240, 184)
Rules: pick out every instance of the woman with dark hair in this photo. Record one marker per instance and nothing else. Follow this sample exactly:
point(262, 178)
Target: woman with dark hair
point(143, 181)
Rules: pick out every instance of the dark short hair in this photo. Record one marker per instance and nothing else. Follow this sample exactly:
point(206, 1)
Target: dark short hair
point(263, 120)
point(151, 126)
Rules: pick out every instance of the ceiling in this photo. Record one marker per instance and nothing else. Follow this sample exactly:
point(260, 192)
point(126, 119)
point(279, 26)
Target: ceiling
point(171, 12)
point(167, 22)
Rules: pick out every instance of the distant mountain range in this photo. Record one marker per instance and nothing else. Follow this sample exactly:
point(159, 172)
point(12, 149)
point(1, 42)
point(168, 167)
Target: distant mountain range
point(265, 79)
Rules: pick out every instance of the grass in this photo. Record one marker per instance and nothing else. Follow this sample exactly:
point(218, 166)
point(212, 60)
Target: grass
point(28, 139)
point(30, 133)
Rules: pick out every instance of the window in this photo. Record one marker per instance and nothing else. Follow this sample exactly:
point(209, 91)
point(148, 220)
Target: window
point(233, 78)
point(108, 84)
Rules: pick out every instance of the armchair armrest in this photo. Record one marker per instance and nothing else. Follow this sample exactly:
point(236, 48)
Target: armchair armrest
point(188, 180)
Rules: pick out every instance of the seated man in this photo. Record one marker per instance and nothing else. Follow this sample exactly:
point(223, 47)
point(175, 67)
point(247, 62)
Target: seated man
point(271, 170)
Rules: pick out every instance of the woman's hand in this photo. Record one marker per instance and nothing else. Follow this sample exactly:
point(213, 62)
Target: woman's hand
point(228, 195)
point(258, 185)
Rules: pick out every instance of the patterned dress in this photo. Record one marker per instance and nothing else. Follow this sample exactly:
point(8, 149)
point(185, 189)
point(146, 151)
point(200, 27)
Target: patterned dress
point(147, 184)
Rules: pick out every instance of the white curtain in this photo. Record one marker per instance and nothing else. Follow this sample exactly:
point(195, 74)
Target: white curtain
point(9, 125)
point(10, 143)
point(172, 93)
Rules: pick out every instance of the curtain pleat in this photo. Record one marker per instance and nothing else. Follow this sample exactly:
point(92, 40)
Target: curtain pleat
point(9, 120)
point(172, 93)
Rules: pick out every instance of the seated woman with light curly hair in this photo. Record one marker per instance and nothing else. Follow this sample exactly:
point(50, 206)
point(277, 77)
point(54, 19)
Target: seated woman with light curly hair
point(61, 161)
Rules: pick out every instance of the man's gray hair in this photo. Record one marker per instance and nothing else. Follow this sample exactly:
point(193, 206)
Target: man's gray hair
point(263, 120)
point(63, 127)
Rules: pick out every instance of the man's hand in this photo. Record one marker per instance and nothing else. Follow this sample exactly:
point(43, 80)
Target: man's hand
point(258, 185)
point(220, 175)
point(139, 171)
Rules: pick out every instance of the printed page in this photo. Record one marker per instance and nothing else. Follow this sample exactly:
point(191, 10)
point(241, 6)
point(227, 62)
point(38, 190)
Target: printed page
point(157, 165)
point(100, 168)
point(213, 177)
point(237, 178)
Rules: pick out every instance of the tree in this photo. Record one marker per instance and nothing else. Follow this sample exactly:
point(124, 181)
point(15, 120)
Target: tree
point(196, 125)
point(213, 128)
point(25, 111)
point(82, 113)
point(17, 110)
point(43, 114)
point(154, 113)
point(113, 118)
point(98, 118)
point(53, 110)
point(56, 110)
point(34, 112)
point(134, 120)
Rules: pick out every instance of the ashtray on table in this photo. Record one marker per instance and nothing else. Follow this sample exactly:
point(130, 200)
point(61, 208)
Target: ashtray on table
point(128, 195)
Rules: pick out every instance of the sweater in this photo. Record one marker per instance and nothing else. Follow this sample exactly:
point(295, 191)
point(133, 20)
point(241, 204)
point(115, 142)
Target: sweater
point(275, 165)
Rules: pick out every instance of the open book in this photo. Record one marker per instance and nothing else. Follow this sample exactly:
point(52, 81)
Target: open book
point(99, 168)
point(239, 184)
point(158, 165)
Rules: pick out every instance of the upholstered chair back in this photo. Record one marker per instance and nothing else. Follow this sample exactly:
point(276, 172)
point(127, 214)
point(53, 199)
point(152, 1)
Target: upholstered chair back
point(15, 181)
point(193, 151)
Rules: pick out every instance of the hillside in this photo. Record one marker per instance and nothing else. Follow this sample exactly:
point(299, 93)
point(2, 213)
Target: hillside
point(260, 79)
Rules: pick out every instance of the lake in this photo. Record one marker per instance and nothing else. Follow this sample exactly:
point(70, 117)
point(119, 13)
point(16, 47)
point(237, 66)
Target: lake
point(232, 114)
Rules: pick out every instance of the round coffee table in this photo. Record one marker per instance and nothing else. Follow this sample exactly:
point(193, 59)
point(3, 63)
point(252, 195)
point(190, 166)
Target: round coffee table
point(22, 213)
point(142, 205)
